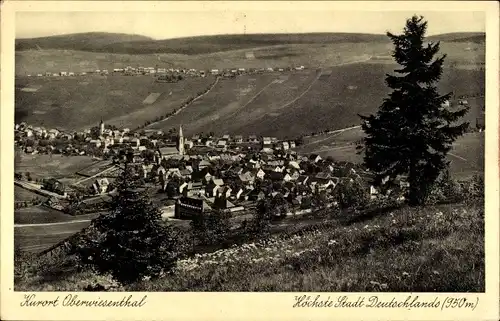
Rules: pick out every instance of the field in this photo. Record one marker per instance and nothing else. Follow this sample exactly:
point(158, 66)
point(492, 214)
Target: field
point(76, 103)
point(44, 166)
point(291, 104)
point(95, 168)
point(331, 101)
point(22, 195)
point(84, 52)
point(467, 155)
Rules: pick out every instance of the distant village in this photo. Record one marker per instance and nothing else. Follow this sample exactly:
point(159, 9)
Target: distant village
point(192, 175)
point(165, 74)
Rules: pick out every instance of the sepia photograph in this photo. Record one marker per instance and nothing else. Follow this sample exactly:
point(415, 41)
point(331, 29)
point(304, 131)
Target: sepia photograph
point(250, 151)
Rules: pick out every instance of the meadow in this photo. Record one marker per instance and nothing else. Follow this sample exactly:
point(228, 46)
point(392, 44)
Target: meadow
point(45, 166)
point(22, 195)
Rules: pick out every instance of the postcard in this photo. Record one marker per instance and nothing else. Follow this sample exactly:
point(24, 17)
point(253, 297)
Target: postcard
point(287, 160)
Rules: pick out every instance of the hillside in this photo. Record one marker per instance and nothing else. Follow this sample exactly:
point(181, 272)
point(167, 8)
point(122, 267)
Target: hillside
point(76, 103)
point(132, 44)
point(263, 104)
point(476, 37)
point(424, 245)
point(90, 41)
point(135, 44)
point(306, 102)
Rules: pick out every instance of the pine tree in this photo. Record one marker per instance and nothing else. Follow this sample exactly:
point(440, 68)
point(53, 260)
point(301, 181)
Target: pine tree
point(130, 242)
point(413, 130)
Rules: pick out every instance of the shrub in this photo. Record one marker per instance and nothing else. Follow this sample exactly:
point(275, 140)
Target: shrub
point(352, 194)
point(131, 242)
point(212, 228)
point(447, 190)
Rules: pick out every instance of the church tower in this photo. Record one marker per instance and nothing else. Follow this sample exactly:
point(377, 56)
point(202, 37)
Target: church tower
point(181, 141)
point(101, 128)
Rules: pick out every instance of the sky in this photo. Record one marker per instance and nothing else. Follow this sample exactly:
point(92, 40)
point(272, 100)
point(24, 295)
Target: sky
point(176, 24)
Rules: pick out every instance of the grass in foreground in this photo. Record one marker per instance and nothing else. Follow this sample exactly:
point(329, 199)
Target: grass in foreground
point(436, 248)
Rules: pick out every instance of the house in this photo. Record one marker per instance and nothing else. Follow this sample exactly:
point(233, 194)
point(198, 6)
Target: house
point(190, 207)
point(173, 172)
point(207, 177)
point(53, 185)
point(214, 71)
point(193, 189)
point(239, 193)
point(238, 139)
point(212, 187)
point(101, 186)
point(185, 173)
point(95, 142)
point(256, 195)
point(292, 144)
point(314, 158)
point(373, 192)
point(302, 179)
point(182, 187)
point(253, 139)
point(222, 143)
point(276, 176)
point(294, 174)
point(168, 151)
point(247, 178)
point(258, 173)
point(223, 191)
point(266, 141)
point(203, 164)
point(323, 184)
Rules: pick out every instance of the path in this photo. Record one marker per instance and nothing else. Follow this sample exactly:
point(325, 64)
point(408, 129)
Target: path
point(248, 102)
point(186, 105)
point(459, 157)
point(35, 188)
point(335, 132)
point(51, 224)
point(314, 81)
point(317, 77)
point(100, 173)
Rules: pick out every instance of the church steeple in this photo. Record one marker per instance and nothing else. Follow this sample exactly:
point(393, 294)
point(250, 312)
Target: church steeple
point(181, 141)
point(101, 128)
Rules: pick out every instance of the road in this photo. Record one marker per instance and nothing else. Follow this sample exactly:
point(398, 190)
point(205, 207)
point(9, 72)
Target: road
point(100, 173)
point(37, 189)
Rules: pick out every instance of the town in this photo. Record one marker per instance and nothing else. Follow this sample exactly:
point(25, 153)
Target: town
point(195, 175)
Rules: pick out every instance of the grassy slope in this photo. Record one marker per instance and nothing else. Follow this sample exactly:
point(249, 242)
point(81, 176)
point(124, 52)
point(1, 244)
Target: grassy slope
point(437, 248)
point(425, 249)
point(82, 41)
point(329, 103)
point(77, 103)
point(133, 44)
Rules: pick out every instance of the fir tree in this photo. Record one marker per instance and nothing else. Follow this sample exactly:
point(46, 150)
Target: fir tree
point(413, 130)
point(130, 242)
